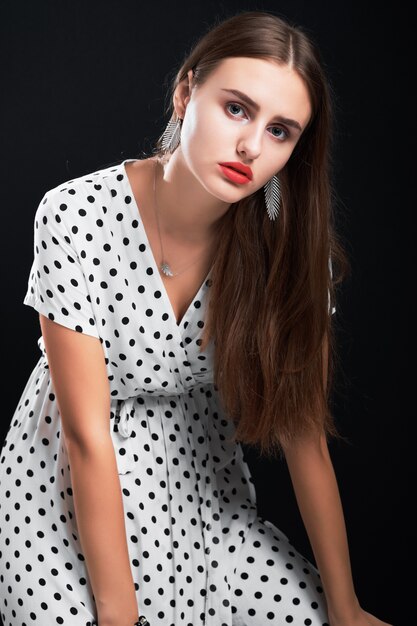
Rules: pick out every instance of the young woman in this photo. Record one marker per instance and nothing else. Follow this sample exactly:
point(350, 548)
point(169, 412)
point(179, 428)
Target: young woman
point(185, 304)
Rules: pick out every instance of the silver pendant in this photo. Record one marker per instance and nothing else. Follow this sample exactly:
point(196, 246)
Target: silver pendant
point(166, 269)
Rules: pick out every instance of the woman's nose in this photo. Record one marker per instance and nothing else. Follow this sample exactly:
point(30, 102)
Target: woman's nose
point(250, 142)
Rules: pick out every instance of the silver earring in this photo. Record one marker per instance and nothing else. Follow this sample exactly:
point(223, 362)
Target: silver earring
point(272, 191)
point(172, 135)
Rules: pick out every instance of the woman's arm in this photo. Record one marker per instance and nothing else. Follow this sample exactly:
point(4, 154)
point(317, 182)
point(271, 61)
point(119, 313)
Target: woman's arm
point(79, 376)
point(318, 499)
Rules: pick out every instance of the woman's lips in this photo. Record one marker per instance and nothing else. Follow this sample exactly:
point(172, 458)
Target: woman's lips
point(239, 167)
point(233, 175)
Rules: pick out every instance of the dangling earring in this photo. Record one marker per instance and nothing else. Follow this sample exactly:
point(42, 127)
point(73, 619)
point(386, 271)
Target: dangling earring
point(272, 191)
point(172, 135)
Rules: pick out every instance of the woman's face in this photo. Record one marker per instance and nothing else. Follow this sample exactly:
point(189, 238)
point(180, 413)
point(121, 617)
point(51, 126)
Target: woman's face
point(219, 126)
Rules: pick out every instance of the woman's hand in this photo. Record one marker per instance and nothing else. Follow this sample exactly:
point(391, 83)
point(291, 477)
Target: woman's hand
point(363, 618)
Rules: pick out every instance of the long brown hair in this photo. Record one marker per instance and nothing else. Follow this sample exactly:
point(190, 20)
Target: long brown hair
point(268, 308)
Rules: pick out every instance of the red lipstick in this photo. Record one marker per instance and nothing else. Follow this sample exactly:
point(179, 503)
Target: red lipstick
point(234, 175)
point(244, 169)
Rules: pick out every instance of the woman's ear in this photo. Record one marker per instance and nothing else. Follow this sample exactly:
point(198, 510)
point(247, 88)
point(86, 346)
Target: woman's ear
point(182, 94)
point(190, 75)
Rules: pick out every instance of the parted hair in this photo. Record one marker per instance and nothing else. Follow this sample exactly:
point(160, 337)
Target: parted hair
point(273, 282)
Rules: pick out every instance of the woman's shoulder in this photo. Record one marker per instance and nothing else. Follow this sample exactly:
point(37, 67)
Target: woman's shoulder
point(87, 195)
point(95, 182)
point(97, 198)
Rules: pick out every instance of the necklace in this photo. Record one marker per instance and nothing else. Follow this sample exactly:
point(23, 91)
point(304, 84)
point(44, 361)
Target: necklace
point(164, 265)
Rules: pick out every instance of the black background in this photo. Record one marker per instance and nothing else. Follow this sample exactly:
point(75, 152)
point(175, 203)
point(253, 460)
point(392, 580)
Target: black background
point(84, 85)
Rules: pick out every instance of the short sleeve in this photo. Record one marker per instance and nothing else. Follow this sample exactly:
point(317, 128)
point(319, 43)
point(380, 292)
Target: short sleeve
point(57, 287)
point(328, 291)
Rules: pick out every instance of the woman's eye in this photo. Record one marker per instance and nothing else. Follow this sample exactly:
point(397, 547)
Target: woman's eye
point(283, 134)
point(233, 104)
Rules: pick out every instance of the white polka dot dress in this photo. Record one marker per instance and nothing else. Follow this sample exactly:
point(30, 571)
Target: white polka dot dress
point(199, 553)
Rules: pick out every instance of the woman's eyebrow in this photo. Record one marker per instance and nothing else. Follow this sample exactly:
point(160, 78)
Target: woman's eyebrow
point(256, 106)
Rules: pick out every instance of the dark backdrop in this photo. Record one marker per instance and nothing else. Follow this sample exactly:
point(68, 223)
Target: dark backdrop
point(84, 85)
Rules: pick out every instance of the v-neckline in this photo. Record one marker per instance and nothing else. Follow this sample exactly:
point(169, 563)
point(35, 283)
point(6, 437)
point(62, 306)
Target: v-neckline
point(151, 256)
